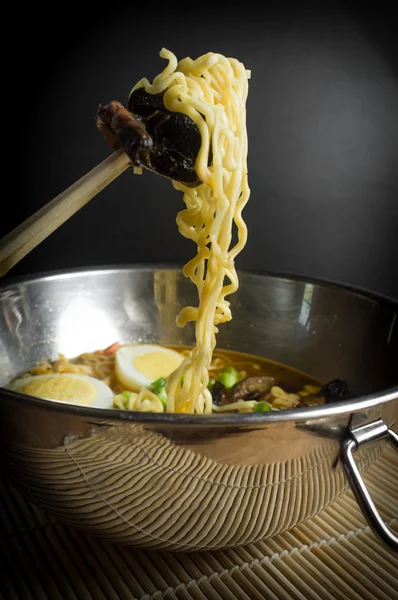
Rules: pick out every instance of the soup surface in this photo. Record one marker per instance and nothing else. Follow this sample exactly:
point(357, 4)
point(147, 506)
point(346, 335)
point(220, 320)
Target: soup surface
point(134, 377)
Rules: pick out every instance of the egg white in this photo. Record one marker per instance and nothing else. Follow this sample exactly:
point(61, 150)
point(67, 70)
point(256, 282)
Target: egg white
point(131, 377)
point(103, 395)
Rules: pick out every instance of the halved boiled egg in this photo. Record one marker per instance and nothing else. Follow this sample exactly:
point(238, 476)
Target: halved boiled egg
point(139, 365)
point(66, 387)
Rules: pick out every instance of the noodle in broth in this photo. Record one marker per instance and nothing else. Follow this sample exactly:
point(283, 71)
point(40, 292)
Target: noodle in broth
point(288, 388)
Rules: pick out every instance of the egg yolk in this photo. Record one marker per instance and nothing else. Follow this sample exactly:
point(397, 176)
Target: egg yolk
point(157, 364)
point(61, 388)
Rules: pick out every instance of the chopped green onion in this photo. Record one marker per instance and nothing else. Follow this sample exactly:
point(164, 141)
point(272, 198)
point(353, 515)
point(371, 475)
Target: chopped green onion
point(126, 394)
point(262, 407)
point(211, 383)
point(161, 394)
point(159, 383)
point(182, 380)
point(159, 389)
point(153, 115)
point(229, 376)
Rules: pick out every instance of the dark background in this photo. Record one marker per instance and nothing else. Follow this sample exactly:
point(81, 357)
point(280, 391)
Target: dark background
point(322, 122)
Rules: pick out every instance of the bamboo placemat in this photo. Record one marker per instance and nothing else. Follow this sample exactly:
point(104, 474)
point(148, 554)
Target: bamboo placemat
point(333, 556)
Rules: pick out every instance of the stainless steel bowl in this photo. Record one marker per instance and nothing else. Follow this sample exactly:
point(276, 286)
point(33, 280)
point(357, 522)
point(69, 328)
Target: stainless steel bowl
point(185, 482)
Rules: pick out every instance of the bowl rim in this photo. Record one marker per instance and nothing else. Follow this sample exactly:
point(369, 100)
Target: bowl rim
point(181, 420)
point(10, 280)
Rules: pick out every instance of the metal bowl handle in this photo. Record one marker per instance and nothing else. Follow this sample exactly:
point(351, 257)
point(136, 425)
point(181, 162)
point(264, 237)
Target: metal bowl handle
point(372, 432)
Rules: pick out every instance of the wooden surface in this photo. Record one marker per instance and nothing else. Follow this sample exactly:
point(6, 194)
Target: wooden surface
point(332, 556)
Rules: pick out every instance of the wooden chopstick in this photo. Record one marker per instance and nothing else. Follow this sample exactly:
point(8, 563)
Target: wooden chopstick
point(29, 234)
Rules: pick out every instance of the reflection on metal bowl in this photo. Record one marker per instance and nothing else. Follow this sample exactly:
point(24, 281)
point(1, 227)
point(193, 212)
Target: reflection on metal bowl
point(186, 482)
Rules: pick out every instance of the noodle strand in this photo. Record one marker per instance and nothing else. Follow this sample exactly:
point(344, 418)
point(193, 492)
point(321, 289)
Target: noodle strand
point(212, 91)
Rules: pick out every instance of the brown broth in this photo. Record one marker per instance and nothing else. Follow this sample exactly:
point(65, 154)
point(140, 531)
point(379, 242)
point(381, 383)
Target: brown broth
point(289, 379)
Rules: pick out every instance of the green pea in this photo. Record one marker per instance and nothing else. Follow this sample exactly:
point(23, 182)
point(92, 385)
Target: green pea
point(262, 407)
point(229, 376)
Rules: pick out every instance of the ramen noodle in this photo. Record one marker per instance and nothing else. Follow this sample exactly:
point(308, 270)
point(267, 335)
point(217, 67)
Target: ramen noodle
point(212, 91)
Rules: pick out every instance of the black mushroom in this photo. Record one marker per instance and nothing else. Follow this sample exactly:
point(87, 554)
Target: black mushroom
point(217, 393)
point(122, 130)
point(334, 390)
point(153, 137)
point(250, 388)
point(176, 138)
point(330, 392)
